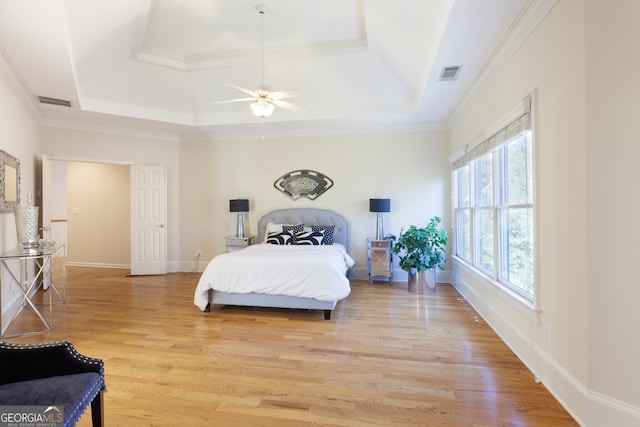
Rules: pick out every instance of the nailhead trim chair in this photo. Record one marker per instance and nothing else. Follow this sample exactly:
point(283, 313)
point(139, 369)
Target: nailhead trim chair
point(52, 374)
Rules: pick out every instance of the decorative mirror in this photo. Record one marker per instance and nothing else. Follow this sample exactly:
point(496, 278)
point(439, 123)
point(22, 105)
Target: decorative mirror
point(9, 182)
point(303, 183)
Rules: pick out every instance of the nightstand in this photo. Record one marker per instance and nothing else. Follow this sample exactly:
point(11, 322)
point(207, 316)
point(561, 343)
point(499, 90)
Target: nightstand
point(380, 259)
point(237, 243)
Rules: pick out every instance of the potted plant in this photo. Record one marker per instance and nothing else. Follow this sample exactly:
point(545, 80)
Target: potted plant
point(420, 251)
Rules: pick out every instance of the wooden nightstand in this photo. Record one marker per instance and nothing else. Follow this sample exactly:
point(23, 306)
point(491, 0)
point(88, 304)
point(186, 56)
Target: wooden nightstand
point(380, 259)
point(237, 243)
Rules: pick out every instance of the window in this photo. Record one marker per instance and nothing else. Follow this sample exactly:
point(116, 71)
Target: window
point(493, 207)
point(484, 212)
point(462, 213)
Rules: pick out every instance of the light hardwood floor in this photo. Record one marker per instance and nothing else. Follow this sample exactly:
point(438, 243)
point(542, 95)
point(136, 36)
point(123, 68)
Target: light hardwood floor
point(386, 358)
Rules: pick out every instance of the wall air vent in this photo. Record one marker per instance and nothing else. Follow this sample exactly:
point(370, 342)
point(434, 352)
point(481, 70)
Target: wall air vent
point(54, 101)
point(450, 73)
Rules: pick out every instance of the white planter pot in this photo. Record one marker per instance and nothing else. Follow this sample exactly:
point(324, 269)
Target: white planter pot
point(423, 281)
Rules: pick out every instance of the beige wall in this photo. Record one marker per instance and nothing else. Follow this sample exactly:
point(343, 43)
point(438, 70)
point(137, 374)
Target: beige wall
point(98, 212)
point(613, 205)
point(409, 168)
point(87, 146)
point(18, 137)
point(585, 187)
point(551, 62)
point(204, 175)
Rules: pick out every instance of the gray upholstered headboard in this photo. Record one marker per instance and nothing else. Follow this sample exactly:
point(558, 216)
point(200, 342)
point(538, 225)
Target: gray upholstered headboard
point(308, 216)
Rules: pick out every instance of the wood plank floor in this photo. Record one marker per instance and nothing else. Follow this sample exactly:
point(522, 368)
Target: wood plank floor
point(386, 358)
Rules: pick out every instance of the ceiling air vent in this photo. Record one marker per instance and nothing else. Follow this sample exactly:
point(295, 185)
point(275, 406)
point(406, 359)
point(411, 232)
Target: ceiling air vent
point(450, 73)
point(54, 101)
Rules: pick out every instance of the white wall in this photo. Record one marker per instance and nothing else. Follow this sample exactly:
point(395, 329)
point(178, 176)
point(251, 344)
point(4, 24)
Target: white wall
point(585, 203)
point(409, 168)
point(613, 205)
point(117, 149)
point(204, 175)
point(18, 137)
point(58, 189)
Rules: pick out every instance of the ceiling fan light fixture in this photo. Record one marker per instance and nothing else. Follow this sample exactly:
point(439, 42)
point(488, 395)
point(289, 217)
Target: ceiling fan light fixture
point(264, 101)
point(262, 108)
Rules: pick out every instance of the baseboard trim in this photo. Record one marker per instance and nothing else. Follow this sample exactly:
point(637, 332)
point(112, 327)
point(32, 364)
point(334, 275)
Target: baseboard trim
point(444, 276)
point(603, 410)
point(562, 385)
point(587, 407)
point(172, 267)
point(97, 264)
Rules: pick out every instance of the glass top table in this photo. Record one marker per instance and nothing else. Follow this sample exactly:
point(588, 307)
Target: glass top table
point(33, 252)
point(37, 274)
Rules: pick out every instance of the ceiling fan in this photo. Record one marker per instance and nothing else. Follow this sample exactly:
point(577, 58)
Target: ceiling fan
point(264, 101)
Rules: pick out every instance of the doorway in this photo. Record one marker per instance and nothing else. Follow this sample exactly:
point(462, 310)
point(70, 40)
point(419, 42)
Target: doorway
point(91, 200)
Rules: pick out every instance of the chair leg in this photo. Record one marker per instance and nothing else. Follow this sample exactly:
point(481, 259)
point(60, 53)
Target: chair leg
point(97, 410)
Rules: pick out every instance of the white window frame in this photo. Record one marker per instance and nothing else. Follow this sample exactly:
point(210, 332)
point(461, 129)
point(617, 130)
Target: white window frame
point(468, 158)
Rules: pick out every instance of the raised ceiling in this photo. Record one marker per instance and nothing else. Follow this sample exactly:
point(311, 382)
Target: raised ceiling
point(158, 67)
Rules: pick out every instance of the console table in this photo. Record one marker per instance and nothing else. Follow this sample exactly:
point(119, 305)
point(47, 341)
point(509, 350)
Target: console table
point(35, 276)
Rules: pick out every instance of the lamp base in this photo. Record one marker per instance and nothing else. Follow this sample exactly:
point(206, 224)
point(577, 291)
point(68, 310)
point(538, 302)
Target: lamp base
point(240, 226)
point(379, 227)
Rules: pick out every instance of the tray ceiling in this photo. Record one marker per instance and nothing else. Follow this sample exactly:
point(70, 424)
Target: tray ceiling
point(159, 67)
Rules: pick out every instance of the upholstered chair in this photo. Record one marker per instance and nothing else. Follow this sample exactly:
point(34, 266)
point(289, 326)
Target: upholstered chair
point(53, 375)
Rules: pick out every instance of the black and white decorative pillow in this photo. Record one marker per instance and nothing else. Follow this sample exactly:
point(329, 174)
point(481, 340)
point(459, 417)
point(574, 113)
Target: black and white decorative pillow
point(294, 229)
point(309, 238)
point(328, 233)
point(282, 238)
point(278, 228)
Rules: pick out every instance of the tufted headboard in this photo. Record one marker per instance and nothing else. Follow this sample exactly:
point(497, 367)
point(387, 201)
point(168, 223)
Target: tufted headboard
point(308, 216)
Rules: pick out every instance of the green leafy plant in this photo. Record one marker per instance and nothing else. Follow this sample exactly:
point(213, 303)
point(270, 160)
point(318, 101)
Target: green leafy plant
point(422, 248)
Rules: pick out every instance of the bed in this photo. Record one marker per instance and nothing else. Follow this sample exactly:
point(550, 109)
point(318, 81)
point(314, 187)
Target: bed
point(297, 276)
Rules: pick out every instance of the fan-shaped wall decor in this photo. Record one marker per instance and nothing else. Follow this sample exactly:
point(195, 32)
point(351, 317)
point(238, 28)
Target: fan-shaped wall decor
point(303, 183)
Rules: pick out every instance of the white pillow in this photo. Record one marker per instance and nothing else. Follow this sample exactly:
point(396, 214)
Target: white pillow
point(272, 228)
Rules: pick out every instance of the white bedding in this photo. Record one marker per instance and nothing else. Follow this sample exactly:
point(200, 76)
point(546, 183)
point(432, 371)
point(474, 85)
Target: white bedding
point(317, 272)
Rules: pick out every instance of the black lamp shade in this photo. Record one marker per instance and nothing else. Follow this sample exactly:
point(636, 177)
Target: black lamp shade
point(379, 205)
point(239, 205)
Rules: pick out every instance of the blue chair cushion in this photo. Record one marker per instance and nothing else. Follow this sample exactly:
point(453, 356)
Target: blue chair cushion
point(72, 392)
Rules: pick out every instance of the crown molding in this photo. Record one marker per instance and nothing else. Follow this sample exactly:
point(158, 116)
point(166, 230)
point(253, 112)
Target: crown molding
point(10, 75)
point(310, 129)
point(110, 130)
point(530, 17)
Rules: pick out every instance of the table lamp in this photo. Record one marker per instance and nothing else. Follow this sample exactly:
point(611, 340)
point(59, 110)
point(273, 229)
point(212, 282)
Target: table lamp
point(240, 206)
point(379, 206)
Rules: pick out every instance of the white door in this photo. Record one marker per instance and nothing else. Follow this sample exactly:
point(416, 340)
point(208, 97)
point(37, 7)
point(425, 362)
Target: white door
point(148, 220)
point(45, 202)
point(53, 203)
point(53, 206)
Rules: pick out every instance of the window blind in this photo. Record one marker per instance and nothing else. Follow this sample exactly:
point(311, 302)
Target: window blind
point(513, 128)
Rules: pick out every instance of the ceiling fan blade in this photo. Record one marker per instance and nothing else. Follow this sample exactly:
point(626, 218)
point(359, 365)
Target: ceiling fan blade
point(233, 100)
point(288, 105)
point(241, 89)
point(283, 94)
